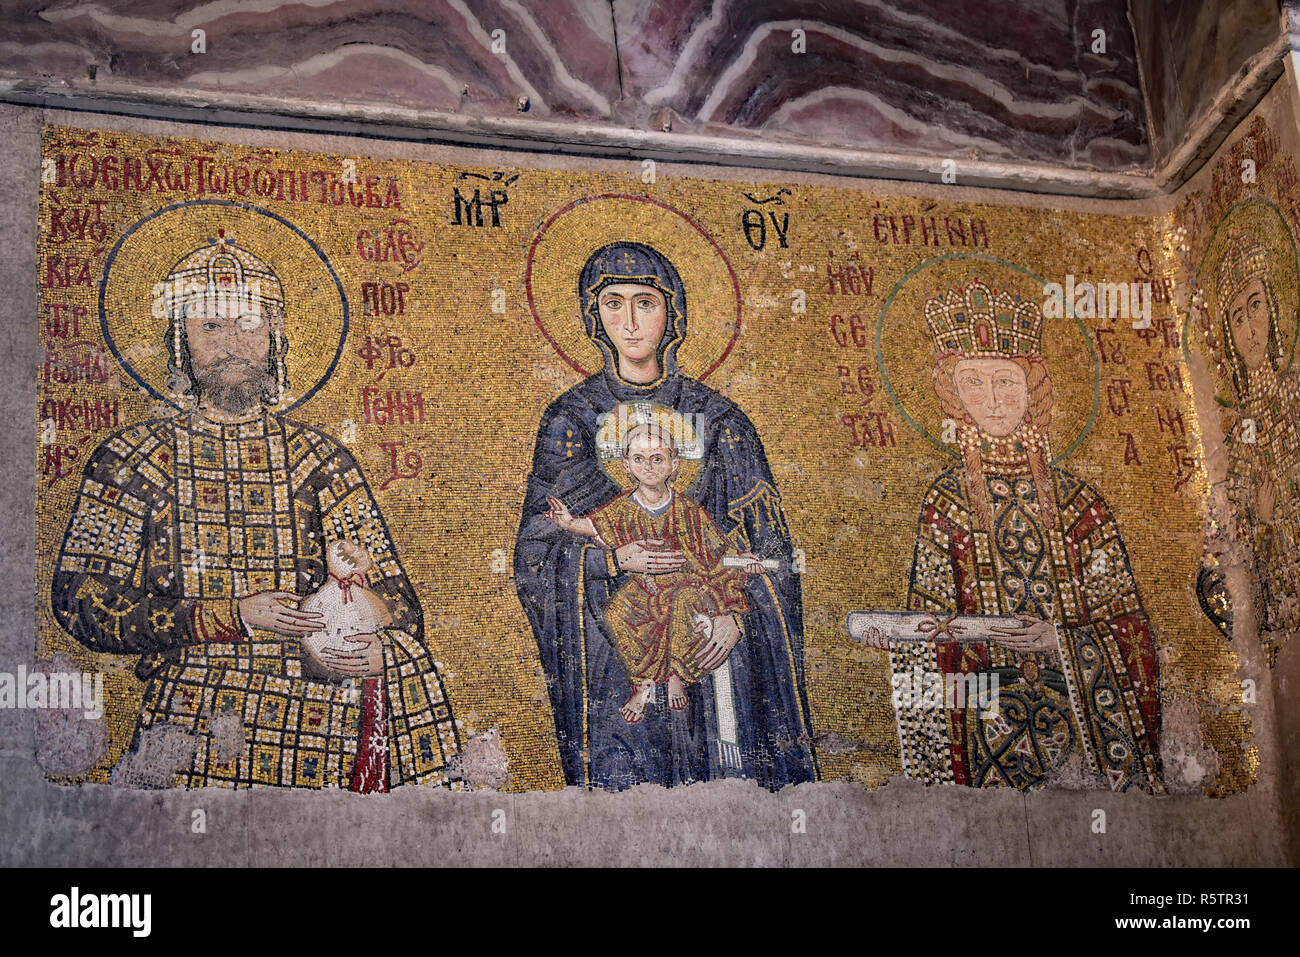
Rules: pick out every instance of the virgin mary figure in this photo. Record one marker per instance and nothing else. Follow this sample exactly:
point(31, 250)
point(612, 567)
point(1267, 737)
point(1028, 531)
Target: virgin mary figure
point(748, 717)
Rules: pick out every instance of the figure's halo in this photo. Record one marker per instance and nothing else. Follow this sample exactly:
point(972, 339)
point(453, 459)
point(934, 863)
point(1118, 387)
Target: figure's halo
point(134, 329)
point(906, 357)
point(1268, 225)
point(570, 235)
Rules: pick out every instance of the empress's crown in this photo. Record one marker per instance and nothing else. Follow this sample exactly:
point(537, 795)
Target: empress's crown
point(975, 321)
point(1244, 259)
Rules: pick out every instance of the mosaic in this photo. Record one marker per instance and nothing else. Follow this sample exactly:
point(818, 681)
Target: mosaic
point(1238, 241)
point(363, 473)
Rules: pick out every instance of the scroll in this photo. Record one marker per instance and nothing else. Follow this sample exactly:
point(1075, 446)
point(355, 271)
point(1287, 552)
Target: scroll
point(923, 626)
point(735, 561)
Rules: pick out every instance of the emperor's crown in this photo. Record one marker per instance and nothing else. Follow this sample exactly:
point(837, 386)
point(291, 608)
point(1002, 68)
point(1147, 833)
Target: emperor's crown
point(222, 269)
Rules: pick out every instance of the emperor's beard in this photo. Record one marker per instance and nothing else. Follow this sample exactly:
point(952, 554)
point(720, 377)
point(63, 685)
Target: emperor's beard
point(235, 393)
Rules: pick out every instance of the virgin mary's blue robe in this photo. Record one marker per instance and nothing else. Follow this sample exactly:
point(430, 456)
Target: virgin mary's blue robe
point(564, 582)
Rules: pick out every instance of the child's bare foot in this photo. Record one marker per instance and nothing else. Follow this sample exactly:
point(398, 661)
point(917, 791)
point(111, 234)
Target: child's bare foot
point(633, 709)
point(676, 693)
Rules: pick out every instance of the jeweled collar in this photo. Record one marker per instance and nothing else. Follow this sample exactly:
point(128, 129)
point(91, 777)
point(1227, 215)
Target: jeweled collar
point(214, 421)
point(1008, 454)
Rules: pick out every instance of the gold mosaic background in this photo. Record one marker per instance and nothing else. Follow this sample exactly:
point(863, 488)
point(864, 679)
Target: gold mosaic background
point(486, 377)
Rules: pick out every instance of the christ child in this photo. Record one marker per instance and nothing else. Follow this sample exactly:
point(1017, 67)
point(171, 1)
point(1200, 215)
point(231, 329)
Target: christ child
point(659, 622)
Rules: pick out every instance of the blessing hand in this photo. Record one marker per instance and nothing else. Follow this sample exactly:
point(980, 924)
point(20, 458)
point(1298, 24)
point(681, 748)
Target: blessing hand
point(559, 513)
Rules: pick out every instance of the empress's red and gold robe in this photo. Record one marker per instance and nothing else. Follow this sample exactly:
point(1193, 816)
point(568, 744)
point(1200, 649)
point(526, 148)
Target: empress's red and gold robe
point(177, 519)
point(1096, 695)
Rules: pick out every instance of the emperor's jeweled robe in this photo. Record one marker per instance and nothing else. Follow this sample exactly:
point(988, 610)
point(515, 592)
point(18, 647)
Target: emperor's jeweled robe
point(175, 521)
